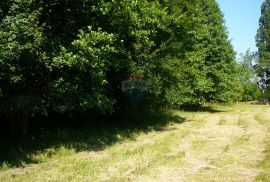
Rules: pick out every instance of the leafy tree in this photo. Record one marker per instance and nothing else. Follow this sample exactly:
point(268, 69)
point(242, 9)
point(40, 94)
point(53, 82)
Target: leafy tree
point(205, 64)
point(81, 80)
point(23, 70)
point(72, 55)
point(188, 65)
point(248, 77)
point(263, 44)
point(142, 29)
point(220, 56)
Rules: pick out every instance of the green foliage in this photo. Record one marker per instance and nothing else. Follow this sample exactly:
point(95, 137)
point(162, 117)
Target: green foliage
point(263, 44)
point(71, 56)
point(207, 68)
point(81, 80)
point(248, 78)
point(22, 62)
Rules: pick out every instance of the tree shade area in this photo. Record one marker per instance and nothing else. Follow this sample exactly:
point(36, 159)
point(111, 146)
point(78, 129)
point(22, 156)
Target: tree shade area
point(71, 56)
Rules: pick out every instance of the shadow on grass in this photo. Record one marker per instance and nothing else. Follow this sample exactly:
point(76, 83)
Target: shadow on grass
point(203, 109)
point(85, 136)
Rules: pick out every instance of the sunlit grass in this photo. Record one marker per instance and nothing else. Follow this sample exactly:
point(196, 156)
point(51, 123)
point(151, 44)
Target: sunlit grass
point(227, 143)
point(265, 165)
point(264, 119)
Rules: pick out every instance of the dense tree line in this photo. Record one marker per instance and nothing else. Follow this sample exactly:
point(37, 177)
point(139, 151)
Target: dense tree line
point(70, 56)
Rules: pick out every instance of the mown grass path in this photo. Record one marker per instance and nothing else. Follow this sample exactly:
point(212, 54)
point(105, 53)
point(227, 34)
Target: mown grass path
point(231, 144)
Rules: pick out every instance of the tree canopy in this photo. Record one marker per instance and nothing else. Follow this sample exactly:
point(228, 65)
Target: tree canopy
point(263, 44)
point(72, 55)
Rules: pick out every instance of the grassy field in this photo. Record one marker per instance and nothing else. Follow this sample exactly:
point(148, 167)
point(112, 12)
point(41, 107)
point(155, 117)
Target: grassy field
point(227, 143)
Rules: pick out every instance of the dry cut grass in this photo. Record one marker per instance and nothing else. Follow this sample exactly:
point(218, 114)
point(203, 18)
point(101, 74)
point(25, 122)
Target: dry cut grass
point(230, 145)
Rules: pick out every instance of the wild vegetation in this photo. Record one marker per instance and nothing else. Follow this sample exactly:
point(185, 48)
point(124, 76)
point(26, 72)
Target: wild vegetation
point(71, 56)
